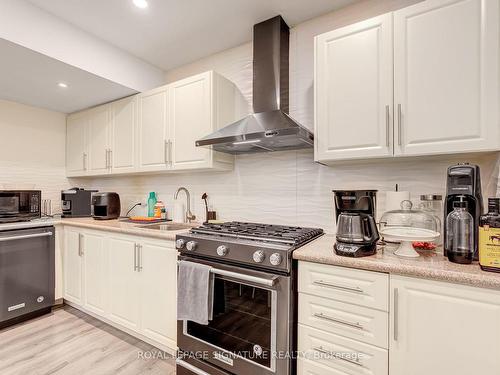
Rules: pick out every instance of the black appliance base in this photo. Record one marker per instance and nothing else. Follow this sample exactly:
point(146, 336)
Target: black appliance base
point(25, 317)
point(355, 250)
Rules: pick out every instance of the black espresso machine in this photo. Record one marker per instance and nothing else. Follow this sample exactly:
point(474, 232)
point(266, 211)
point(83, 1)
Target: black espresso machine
point(357, 233)
point(463, 183)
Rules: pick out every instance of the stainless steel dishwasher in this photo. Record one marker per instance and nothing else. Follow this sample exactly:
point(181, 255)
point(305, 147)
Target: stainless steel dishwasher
point(27, 279)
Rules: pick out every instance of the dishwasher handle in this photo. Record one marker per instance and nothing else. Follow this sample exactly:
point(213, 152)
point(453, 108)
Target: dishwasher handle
point(25, 236)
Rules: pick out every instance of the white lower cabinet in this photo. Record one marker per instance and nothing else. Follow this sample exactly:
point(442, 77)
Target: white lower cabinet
point(158, 288)
point(123, 281)
point(72, 266)
point(127, 281)
point(430, 327)
point(340, 355)
point(440, 328)
point(95, 268)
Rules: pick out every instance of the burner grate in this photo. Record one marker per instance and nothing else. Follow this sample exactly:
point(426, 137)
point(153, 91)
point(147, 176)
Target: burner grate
point(288, 234)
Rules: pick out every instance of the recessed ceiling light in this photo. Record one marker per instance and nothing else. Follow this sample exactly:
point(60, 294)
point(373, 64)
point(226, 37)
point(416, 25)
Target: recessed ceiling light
point(62, 85)
point(141, 3)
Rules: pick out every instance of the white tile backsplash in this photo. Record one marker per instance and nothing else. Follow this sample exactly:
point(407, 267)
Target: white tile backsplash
point(289, 188)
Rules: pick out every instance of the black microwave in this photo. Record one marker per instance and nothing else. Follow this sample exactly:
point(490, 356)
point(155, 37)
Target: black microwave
point(19, 205)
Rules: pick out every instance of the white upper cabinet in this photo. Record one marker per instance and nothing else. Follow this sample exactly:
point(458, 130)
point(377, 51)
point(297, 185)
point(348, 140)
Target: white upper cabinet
point(353, 91)
point(188, 125)
point(156, 130)
point(153, 130)
point(76, 145)
point(446, 77)
point(439, 328)
point(98, 140)
point(444, 98)
point(198, 106)
point(123, 135)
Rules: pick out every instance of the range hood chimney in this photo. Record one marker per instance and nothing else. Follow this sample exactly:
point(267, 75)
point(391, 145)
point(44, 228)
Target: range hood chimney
point(270, 128)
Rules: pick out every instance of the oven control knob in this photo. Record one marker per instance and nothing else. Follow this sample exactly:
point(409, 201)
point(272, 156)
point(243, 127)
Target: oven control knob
point(275, 259)
point(222, 250)
point(179, 244)
point(258, 256)
point(191, 245)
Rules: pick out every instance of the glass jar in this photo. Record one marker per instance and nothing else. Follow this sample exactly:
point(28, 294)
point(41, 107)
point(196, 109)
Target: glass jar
point(433, 204)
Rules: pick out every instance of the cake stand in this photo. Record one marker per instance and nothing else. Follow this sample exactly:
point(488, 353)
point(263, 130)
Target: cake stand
point(408, 235)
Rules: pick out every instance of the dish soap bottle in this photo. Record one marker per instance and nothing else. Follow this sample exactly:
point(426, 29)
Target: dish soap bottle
point(460, 234)
point(151, 204)
point(489, 237)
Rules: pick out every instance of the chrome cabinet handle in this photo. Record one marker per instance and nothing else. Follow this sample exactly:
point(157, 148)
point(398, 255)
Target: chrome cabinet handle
point(190, 367)
point(332, 355)
point(400, 126)
point(356, 325)
point(396, 313)
point(25, 236)
point(135, 257)
point(110, 158)
point(341, 287)
point(139, 257)
point(387, 126)
point(80, 246)
point(170, 152)
point(166, 151)
point(84, 161)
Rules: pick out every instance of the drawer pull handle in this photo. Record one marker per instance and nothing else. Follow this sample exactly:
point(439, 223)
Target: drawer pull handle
point(341, 287)
point(332, 355)
point(356, 325)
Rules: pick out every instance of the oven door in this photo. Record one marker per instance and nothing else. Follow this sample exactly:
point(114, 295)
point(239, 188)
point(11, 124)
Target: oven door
point(252, 322)
point(19, 205)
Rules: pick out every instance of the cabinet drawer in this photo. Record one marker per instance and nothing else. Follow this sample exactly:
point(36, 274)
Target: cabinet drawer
point(326, 353)
point(364, 288)
point(356, 322)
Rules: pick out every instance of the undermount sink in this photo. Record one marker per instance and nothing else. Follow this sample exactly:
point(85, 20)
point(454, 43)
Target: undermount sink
point(167, 226)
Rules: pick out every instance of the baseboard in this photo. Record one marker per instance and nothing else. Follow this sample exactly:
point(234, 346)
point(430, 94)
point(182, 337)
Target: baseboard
point(156, 344)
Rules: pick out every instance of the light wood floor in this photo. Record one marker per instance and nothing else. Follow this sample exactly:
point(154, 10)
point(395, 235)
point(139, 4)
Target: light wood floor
point(69, 342)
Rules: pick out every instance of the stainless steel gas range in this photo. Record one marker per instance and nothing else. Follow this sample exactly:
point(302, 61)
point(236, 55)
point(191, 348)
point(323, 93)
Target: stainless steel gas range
point(253, 327)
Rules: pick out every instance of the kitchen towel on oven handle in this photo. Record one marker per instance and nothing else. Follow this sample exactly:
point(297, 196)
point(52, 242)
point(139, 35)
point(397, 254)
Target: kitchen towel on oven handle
point(195, 292)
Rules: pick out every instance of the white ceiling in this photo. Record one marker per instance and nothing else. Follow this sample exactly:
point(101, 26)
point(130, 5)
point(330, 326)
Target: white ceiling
point(170, 33)
point(31, 78)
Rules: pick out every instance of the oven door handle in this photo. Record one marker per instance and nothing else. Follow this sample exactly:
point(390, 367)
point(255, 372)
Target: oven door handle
point(190, 367)
point(244, 277)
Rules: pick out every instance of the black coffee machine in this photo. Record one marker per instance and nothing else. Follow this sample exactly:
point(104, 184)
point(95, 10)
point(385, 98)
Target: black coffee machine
point(463, 183)
point(357, 233)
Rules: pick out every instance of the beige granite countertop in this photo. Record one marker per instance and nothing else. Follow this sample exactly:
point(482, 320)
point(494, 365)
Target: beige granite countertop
point(123, 227)
point(429, 265)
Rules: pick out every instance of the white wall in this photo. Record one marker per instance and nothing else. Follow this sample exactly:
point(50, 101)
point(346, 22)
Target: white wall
point(32, 150)
point(288, 187)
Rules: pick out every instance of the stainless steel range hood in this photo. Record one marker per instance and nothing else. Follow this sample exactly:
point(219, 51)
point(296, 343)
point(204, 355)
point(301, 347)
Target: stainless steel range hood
point(270, 128)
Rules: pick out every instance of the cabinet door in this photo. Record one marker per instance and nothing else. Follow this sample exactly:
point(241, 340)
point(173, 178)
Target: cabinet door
point(446, 77)
point(158, 304)
point(440, 328)
point(99, 128)
point(72, 269)
point(76, 144)
point(123, 282)
point(354, 91)
point(95, 262)
point(123, 135)
point(153, 146)
point(190, 118)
